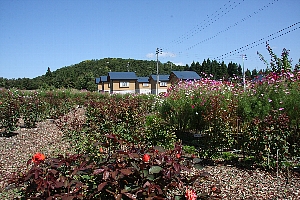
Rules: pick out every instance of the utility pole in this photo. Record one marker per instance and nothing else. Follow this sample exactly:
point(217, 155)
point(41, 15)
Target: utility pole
point(244, 56)
point(158, 51)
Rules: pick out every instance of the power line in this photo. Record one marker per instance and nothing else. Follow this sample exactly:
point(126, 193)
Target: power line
point(258, 42)
point(218, 14)
point(235, 24)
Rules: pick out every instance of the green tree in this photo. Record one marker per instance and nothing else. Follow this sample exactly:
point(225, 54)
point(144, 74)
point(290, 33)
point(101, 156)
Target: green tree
point(254, 73)
point(232, 69)
point(248, 74)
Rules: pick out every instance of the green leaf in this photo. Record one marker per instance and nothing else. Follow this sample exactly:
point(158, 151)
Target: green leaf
point(145, 172)
point(159, 148)
point(151, 177)
point(197, 160)
point(198, 166)
point(86, 177)
point(179, 197)
point(135, 166)
point(155, 169)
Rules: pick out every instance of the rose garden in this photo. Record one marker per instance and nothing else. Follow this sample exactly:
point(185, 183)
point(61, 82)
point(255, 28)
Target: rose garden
point(155, 147)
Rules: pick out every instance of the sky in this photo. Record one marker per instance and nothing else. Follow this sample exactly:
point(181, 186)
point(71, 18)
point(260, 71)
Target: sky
point(35, 34)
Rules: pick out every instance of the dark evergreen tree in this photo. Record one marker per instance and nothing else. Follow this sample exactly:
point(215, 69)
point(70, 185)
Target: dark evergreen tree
point(223, 71)
point(193, 66)
point(239, 71)
point(232, 69)
point(254, 73)
point(247, 74)
point(214, 68)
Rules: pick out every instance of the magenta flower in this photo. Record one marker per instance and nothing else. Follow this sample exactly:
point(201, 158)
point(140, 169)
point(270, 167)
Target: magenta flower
point(281, 109)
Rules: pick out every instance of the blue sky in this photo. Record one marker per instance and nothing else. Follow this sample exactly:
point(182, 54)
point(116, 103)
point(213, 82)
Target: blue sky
point(39, 34)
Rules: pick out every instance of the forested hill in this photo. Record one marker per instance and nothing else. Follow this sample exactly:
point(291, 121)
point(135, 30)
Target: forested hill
point(83, 74)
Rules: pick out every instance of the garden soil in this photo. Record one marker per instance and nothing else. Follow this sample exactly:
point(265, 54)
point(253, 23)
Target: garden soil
point(233, 183)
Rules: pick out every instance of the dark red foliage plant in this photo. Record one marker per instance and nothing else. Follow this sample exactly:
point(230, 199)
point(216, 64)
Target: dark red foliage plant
point(134, 172)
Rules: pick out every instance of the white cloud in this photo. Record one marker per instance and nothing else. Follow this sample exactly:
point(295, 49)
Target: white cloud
point(150, 55)
point(167, 54)
point(162, 55)
point(179, 63)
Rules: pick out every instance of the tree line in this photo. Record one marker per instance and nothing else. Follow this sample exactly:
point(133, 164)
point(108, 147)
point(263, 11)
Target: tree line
point(82, 76)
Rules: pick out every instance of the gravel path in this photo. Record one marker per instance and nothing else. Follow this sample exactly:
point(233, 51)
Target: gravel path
point(234, 183)
point(17, 149)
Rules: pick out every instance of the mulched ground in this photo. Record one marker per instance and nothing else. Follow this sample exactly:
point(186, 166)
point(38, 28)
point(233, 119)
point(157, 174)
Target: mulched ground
point(233, 183)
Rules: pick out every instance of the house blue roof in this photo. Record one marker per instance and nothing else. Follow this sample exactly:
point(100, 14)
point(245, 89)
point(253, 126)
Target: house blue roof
point(97, 80)
point(258, 78)
point(186, 75)
point(103, 78)
point(122, 76)
point(143, 79)
point(160, 77)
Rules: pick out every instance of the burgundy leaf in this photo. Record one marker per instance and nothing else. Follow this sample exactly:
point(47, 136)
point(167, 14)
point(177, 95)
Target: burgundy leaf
point(131, 196)
point(101, 186)
point(59, 184)
point(126, 172)
point(53, 171)
point(134, 155)
point(185, 168)
point(98, 171)
point(28, 162)
point(105, 175)
point(176, 167)
point(147, 184)
point(110, 136)
point(114, 174)
point(67, 197)
point(118, 197)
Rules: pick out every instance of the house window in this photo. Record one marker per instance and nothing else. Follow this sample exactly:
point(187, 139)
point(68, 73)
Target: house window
point(145, 84)
point(124, 84)
point(163, 84)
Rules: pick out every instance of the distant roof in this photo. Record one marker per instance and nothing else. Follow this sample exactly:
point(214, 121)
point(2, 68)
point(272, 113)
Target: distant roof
point(160, 77)
point(122, 75)
point(103, 78)
point(186, 75)
point(143, 79)
point(97, 80)
point(258, 78)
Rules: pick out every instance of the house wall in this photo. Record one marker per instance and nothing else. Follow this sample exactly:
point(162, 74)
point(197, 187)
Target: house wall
point(153, 86)
point(103, 87)
point(141, 89)
point(106, 87)
point(117, 89)
point(99, 87)
point(160, 88)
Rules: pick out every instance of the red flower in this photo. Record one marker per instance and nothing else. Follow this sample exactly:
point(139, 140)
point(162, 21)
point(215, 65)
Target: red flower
point(178, 155)
point(146, 158)
point(101, 150)
point(190, 194)
point(38, 157)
